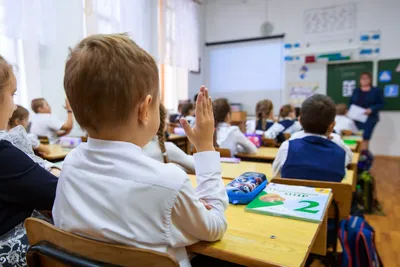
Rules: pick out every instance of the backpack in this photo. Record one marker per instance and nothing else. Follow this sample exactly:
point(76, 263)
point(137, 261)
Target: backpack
point(357, 239)
point(365, 161)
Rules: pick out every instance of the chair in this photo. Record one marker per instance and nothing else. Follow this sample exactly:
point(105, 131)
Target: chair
point(53, 247)
point(269, 142)
point(44, 139)
point(342, 196)
point(84, 139)
point(287, 136)
point(224, 152)
point(172, 126)
point(346, 132)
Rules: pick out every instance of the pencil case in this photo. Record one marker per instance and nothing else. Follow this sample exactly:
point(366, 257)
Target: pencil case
point(246, 187)
point(256, 139)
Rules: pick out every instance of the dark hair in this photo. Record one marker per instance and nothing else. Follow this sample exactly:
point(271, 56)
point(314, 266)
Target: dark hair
point(341, 109)
point(264, 107)
point(317, 113)
point(161, 133)
point(19, 114)
point(285, 110)
point(221, 109)
point(36, 104)
point(195, 98)
point(186, 108)
point(297, 112)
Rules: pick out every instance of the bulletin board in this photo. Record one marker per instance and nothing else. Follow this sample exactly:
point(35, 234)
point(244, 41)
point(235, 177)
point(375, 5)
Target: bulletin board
point(343, 78)
point(389, 81)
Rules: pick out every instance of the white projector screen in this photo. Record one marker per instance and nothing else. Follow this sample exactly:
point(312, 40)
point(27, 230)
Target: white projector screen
point(246, 72)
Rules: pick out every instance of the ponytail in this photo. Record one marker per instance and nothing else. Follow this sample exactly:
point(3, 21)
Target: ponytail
point(161, 133)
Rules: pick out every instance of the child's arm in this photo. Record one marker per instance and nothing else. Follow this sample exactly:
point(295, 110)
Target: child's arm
point(280, 159)
point(67, 126)
point(339, 141)
point(250, 126)
point(273, 131)
point(243, 142)
point(177, 156)
point(296, 127)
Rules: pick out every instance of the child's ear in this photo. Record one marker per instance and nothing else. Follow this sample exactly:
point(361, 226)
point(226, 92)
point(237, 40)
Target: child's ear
point(330, 128)
point(144, 109)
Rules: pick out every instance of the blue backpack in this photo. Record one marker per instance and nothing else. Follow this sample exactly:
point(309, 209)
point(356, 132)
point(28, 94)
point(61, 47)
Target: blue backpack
point(358, 242)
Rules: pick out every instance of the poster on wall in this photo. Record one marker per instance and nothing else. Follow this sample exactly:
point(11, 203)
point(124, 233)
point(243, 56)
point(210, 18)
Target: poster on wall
point(298, 92)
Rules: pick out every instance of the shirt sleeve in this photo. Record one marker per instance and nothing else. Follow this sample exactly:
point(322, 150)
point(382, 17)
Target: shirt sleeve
point(191, 221)
point(274, 130)
point(34, 141)
point(379, 101)
point(24, 182)
point(353, 127)
point(280, 159)
point(243, 143)
point(55, 123)
point(297, 127)
point(339, 141)
point(176, 155)
point(250, 126)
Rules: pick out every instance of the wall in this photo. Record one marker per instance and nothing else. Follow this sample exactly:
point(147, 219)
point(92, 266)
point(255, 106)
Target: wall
point(236, 19)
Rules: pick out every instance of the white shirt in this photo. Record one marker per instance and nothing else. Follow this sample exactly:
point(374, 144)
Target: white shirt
point(344, 123)
point(110, 191)
point(232, 138)
point(191, 120)
point(284, 148)
point(46, 125)
point(174, 154)
point(277, 128)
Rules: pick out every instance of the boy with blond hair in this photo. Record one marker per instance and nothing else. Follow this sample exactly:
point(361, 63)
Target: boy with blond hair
point(109, 190)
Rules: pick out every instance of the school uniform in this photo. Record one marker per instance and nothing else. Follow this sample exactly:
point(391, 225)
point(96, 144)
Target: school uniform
point(191, 120)
point(309, 156)
point(372, 99)
point(256, 126)
point(174, 154)
point(230, 137)
point(110, 191)
point(344, 123)
point(285, 125)
point(46, 125)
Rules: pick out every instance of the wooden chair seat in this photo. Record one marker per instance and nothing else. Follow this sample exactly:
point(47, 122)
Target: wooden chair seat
point(224, 152)
point(269, 142)
point(43, 235)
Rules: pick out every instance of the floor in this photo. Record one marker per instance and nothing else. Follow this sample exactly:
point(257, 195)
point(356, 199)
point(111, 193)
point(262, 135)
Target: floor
point(387, 175)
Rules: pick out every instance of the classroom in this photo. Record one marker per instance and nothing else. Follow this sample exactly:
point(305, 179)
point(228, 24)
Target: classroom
point(199, 133)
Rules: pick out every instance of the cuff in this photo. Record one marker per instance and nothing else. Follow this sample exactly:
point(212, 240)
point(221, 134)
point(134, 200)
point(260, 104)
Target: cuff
point(206, 162)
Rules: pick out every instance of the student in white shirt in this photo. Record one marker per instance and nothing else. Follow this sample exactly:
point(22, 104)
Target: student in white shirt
point(315, 153)
point(188, 113)
point(167, 152)
point(46, 124)
point(287, 124)
point(109, 190)
point(342, 121)
point(228, 136)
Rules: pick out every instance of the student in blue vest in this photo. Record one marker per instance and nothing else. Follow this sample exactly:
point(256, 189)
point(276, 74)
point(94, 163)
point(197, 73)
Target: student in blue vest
point(287, 124)
point(315, 153)
point(372, 99)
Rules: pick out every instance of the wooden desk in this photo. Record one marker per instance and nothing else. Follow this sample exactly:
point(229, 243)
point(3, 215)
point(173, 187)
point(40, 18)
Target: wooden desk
point(262, 240)
point(265, 154)
point(57, 153)
point(353, 138)
point(180, 141)
point(353, 164)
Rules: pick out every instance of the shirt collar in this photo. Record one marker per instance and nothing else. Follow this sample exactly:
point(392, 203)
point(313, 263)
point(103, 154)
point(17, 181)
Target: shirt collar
point(286, 118)
point(99, 144)
point(223, 124)
point(304, 134)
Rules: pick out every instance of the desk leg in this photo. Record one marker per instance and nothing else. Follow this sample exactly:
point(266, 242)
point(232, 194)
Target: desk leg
point(319, 246)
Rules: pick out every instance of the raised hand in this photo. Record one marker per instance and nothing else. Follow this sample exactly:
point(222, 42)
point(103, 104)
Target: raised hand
point(201, 135)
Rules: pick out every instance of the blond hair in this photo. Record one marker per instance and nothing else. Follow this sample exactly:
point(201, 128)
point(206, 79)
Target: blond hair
point(106, 76)
point(36, 104)
point(5, 73)
point(341, 109)
point(161, 133)
point(264, 107)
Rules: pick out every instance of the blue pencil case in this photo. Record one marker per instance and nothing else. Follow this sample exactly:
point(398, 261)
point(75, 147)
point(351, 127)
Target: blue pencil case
point(246, 187)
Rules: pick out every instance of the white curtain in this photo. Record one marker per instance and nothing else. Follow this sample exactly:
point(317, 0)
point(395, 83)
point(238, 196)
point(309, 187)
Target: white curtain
point(21, 38)
point(179, 44)
point(138, 18)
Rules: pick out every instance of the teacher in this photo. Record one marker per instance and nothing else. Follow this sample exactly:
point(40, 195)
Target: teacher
point(370, 98)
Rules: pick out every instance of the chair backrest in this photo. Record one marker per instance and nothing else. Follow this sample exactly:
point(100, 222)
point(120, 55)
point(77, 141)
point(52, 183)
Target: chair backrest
point(269, 142)
point(342, 193)
point(346, 132)
point(43, 139)
point(287, 136)
point(80, 247)
point(224, 152)
point(172, 126)
point(84, 139)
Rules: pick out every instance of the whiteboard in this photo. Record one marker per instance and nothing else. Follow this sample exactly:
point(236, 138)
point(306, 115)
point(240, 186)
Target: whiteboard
point(246, 72)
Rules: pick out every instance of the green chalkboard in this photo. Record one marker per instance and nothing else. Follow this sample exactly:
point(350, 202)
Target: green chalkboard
point(389, 81)
point(343, 78)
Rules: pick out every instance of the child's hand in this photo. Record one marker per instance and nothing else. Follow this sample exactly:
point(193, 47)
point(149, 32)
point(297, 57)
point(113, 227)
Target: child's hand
point(67, 105)
point(208, 206)
point(201, 135)
point(43, 150)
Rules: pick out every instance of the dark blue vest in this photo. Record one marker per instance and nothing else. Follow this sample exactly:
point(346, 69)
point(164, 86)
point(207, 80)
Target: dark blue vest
point(314, 158)
point(286, 124)
point(259, 125)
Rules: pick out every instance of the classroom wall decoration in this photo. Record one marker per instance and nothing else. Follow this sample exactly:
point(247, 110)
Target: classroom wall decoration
point(389, 81)
point(300, 92)
point(343, 78)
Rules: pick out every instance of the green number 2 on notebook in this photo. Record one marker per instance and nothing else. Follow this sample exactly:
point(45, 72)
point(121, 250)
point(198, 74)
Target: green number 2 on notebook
point(312, 204)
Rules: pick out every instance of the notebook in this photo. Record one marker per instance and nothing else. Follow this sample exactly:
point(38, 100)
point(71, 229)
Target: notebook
point(297, 202)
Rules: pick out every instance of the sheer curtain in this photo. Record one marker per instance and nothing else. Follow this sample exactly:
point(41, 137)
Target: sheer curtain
point(21, 38)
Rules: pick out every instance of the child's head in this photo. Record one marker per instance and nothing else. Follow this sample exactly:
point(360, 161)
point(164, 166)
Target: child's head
point(222, 110)
point(287, 111)
point(317, 115)
point(188, 109)
point(8, 87)
point(297, 112)
point(161, 132)
point(19, 117)
point(341, 109)
point(365, 79)
point(40, 105)
point(264, 109)
point(112, 85)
